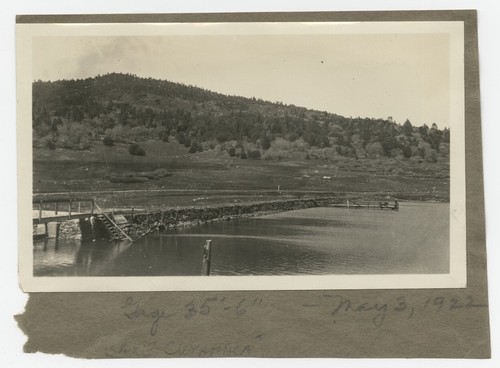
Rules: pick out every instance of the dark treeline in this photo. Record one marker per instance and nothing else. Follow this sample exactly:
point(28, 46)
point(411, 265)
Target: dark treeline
point(76, 114)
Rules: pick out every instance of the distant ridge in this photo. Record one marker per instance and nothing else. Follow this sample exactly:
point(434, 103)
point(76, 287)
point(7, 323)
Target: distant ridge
point(76, 114)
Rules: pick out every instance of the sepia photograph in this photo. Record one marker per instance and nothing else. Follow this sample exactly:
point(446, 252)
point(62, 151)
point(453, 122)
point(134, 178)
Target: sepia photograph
point(281, 185)
point(205, 156)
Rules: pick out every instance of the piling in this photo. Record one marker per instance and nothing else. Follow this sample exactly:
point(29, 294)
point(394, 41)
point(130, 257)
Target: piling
point(207, 253)
point(87, 229)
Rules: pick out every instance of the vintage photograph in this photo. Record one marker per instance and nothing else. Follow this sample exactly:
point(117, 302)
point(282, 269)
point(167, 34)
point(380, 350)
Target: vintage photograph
point(255, 152)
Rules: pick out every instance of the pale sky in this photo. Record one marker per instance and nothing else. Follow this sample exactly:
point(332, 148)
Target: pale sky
point(366, 75)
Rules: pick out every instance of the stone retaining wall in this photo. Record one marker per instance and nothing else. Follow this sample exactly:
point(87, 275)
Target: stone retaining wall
point(182, 217)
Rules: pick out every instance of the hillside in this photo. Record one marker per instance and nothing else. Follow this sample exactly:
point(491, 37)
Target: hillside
point(80, 114)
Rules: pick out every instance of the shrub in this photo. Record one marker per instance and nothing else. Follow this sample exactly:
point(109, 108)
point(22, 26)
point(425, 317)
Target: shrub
point(136, 150)
point(374, 149)
point(138, 177)
point(163, 135)
point(407, 151)
point(116, 133)
point(243, 155)
point(181, 138)
point(156, 174)
point(195, 147)
point(108, 141)
point(74, 136)
point(424, 149)
point(232, 152)
point(161, 173)
point(254, 154)
point(274, 154)
point(431, 155)
point(444, 149)
point(266, 143)
point(49, 143)
point(322, 153)
point(126, 178)
point(139, 134)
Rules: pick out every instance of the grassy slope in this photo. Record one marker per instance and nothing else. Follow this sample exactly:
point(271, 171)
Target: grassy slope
point(75, 171)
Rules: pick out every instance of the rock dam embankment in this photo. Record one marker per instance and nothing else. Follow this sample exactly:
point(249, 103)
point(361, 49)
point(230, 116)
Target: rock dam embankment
point(182, 217)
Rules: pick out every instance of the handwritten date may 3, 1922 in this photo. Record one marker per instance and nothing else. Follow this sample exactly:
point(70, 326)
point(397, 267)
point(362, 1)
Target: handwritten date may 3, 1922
point(338, 305)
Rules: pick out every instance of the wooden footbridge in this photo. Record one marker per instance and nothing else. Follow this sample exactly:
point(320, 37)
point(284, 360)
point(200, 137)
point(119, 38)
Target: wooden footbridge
point(62, 209)
point(86, 210)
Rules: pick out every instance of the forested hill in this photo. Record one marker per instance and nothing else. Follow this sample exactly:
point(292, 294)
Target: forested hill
point(77, 114)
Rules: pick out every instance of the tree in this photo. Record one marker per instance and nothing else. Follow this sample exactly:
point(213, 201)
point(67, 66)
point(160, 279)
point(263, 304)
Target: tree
point(407, 128)
point(423, 130)
point(446, 135)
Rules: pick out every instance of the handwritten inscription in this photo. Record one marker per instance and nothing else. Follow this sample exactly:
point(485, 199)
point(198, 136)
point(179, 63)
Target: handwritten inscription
point(203, 308)
point(339, 307)
point(135, 309)
point(174, 348)
point(338, 304)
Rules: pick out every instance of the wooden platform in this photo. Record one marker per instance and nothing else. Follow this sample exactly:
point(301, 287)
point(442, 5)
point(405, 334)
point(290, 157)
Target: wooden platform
point(367, 205)
point(60, 218)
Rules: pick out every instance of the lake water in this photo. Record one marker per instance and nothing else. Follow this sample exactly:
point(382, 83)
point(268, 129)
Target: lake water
point(315, 241)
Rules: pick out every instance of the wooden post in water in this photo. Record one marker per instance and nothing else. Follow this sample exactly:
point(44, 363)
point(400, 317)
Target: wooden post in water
point(58, 228)
point(39, 210)
point(69, 209)
point(92, 207)
point(57, 207)
point(207, 251)
point(132, 213)
point(79, 207)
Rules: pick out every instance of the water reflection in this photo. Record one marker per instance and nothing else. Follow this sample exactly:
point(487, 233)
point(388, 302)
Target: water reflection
point(311, 241)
